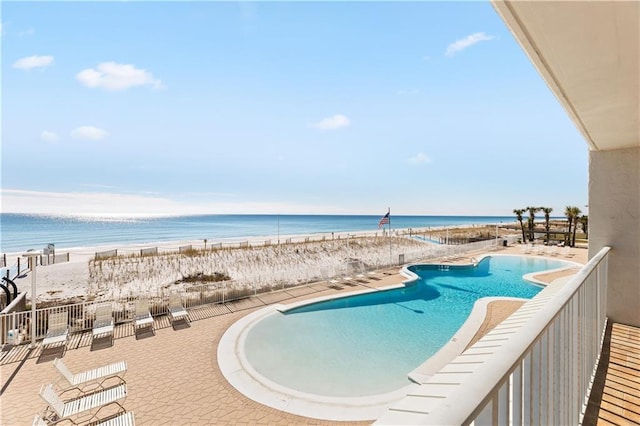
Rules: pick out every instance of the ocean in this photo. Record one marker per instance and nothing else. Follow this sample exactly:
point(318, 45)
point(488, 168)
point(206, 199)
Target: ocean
point(20, 232)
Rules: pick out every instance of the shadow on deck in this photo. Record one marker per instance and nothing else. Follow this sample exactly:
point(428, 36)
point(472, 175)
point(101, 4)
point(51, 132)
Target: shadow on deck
point(615, 396)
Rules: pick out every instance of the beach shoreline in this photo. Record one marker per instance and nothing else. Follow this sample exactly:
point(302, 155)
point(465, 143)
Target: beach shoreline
point(328, 253)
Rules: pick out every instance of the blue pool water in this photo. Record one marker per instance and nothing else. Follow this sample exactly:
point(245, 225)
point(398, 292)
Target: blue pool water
point(367, 344)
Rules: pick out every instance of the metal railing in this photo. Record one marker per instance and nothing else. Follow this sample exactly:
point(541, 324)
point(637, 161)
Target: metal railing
point(81, 315)
point(537, 368)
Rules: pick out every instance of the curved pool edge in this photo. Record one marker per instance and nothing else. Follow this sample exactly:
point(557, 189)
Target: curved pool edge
point(239, 373)
point(459, 342)
point(461, 339)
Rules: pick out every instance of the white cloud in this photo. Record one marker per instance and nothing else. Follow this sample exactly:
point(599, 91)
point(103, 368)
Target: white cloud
point(332, 123)
point(48, 136)
point(419, 158)
point(469, 40)
point(28, 32)
point(113, 76)
point(33, 62)
point(89, 133)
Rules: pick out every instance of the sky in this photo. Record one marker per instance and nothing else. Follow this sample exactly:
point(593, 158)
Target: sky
point(426, 108)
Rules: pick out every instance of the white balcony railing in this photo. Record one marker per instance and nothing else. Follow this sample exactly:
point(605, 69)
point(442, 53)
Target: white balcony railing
point(536, 367)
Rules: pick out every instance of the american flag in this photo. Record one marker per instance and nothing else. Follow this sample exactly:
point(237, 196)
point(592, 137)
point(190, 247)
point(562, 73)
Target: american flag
point(384, 220)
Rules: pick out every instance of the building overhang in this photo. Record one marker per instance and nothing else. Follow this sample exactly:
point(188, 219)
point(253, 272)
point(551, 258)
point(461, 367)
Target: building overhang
point(588, 54)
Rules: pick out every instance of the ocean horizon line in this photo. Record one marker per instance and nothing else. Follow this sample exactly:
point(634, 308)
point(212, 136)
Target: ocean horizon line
point(21, 232)
point(154, 215)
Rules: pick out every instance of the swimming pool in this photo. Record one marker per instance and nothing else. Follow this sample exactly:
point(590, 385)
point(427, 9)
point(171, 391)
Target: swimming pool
point(365, 345)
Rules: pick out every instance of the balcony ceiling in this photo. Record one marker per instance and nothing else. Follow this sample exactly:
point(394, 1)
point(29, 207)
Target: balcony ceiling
point(588, 53)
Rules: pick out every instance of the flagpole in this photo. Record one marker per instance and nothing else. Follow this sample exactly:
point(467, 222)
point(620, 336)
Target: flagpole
point(390, 255)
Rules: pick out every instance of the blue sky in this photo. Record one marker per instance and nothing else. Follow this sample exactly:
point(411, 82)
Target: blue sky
point(208, 107)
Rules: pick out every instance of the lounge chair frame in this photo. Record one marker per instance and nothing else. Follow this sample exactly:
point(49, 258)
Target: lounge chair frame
point(93, 378)
point(103, 324)
point(80, 408)
point(122, 419)
point(176, 309)
point(143, 318)
point(57, 329)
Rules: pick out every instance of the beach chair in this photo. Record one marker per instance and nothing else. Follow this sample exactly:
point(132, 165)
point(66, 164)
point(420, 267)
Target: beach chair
point(94, 377)
point(103, 324)
point(85, 406)
point(362, 278)
point(176, 310)
point(373, 275)
point(122, 419)
point(348, 280)
point(39, 421)
point(57, 330)
point(143, 318)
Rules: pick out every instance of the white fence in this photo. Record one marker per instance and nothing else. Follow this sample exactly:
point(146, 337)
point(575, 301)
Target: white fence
point(22, 264)
point(536, 367)
point(81, 315)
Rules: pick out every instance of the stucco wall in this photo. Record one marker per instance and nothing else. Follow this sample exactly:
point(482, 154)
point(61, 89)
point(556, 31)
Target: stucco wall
point(614, 220)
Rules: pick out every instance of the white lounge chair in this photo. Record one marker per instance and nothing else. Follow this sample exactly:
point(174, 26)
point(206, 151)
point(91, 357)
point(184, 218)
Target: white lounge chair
point(122, 419)
point(39, 421)
point(176, 310)
point(57, 329)
point(103, 324)
point(58, 410)
point(143, 317)
point(95, 376)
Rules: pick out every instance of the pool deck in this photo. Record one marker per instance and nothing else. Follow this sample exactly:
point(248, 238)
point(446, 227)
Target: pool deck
point(173, 375)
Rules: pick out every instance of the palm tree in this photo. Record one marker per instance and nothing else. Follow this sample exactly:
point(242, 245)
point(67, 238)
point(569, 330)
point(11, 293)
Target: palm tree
point(547, 215)
point(584, 220)
point(575, 211)
point(518, 213)
point(531, 220)
point(569, 214)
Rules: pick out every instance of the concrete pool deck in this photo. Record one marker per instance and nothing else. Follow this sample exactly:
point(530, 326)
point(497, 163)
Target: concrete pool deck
point(173, 376)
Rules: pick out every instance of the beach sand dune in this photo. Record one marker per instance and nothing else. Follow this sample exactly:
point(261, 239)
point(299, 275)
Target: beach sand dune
point(260, 267)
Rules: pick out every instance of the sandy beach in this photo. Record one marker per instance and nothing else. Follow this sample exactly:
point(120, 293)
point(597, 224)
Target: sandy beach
point(250, 263)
